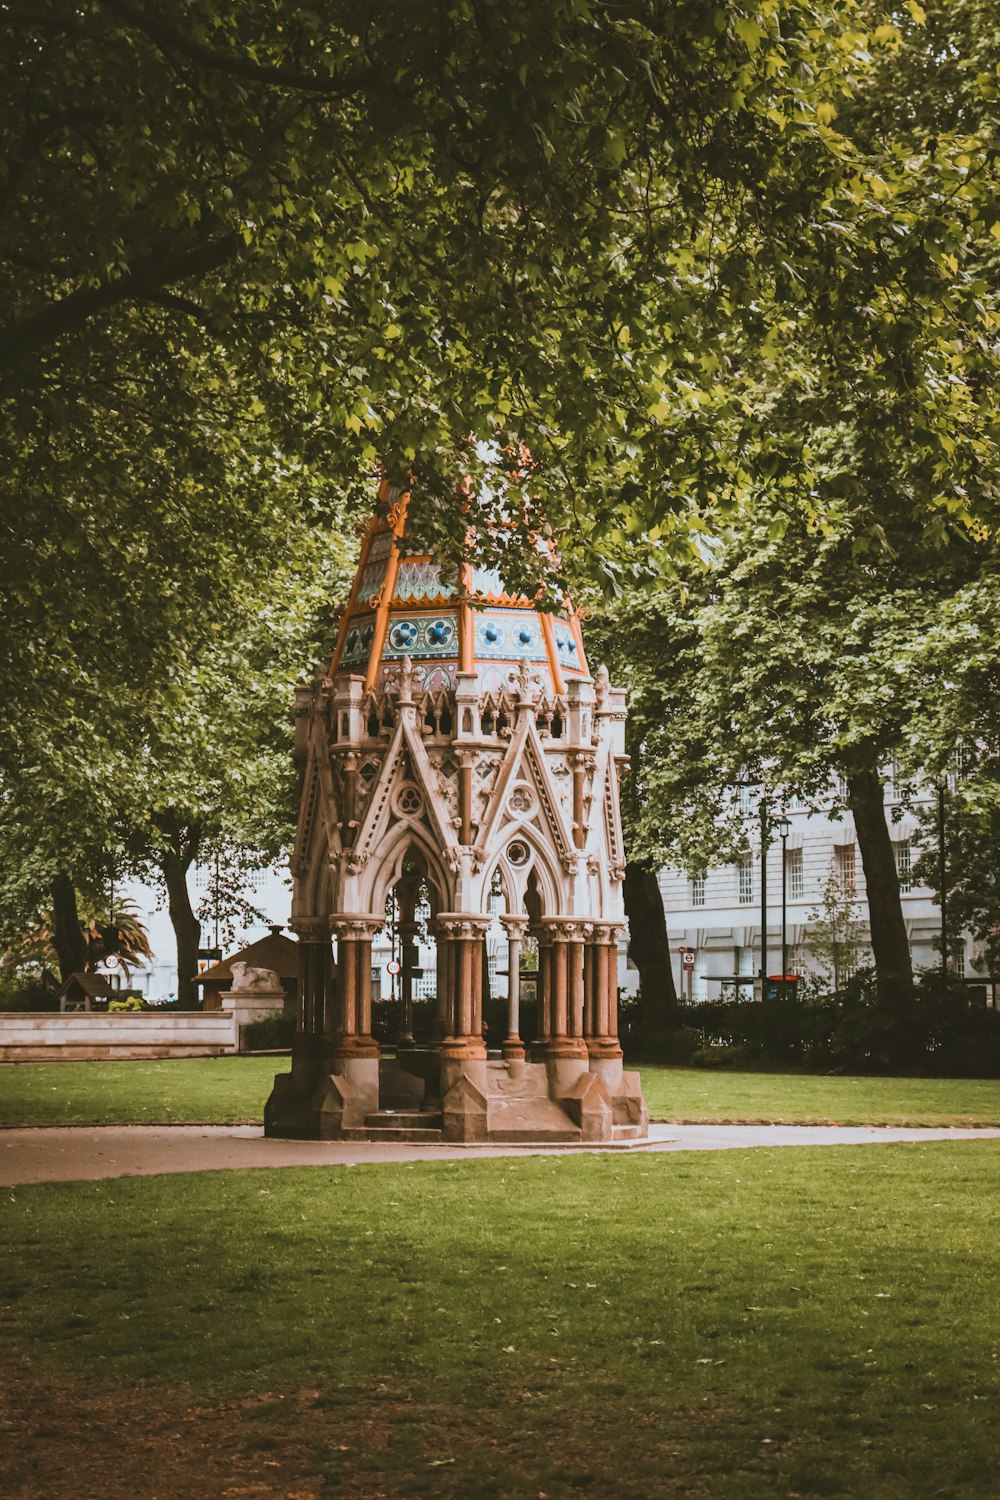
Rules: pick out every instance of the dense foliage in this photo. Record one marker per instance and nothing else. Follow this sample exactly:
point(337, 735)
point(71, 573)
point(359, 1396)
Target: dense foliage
point(713, 284)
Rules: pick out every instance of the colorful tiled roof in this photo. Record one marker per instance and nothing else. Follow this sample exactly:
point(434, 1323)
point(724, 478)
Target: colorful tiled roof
point(401, 606)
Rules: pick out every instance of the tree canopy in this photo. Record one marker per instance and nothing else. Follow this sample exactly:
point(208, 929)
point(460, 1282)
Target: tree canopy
point(709, 288)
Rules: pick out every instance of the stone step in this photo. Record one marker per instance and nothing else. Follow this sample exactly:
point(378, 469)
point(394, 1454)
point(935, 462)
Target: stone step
point(403, 1119)
point(627, 1133)
point(388, 1134)
point(535, 1137)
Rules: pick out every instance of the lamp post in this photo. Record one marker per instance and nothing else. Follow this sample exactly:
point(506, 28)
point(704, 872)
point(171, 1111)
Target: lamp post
point(942, 786)
point(784, 825)
point(764, 828)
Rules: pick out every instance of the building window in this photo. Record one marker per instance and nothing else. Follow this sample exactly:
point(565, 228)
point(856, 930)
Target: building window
point(904, 865)
point(795, 875)
point(746, 880)
point(698, 890)
point(958, 961)
point(846, 867)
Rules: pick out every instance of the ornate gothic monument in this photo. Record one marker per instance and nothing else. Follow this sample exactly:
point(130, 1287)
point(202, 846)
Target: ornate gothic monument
point(458, 759)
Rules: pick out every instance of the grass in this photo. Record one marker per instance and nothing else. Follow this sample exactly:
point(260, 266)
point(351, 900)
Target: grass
point(200, 1090)
point(232, 1090)
point(700, 1095)
point(723, 1327)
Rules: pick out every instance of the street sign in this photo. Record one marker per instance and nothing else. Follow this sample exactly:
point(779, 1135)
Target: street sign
point(393, 966)
point(687, 958)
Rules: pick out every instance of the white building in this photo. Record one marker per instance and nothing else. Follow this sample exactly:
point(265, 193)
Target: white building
point(717, 918)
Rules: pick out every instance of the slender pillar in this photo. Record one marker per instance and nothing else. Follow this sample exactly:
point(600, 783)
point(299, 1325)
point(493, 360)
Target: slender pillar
point(544, 988)
point(465, 934)
point(589, 1024)
point(602, 1035)
point(316, 998)
point(513, 1047)
point(351, 1016)
point(440, 1025)
point(576, 983)
point(566, 1008)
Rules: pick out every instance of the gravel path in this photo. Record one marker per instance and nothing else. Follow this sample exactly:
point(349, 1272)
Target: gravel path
point(86, 1154)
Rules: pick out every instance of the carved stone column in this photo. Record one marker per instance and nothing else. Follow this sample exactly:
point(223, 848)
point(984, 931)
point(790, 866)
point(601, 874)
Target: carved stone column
point(440, 1026)
point(352, 1019)
point(543, 990)
point(515, 928)
point(315, 992)
point(464, 935)
point(602, 1032)
point(566, 970)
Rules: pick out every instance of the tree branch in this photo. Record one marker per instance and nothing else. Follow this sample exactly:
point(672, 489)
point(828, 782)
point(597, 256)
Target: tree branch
point(219, 60)
point(20, 341)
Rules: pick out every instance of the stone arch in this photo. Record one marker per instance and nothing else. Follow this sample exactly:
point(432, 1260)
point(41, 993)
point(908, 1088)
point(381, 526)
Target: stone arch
point(404, 839)
point(515, 881)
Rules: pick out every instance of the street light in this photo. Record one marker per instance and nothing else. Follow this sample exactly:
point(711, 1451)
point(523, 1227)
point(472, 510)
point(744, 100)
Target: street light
point(784, 825)
point(942, 787)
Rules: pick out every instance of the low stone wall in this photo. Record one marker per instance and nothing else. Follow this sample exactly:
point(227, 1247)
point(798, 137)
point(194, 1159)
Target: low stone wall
point(50, 1037)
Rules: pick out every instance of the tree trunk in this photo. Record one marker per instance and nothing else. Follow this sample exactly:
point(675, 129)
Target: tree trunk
point(187, 928)
point(891, 949)
point(649, 949)
point(67, 934)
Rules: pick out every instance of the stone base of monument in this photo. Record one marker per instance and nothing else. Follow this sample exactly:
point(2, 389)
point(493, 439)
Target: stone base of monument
point(423, 1098)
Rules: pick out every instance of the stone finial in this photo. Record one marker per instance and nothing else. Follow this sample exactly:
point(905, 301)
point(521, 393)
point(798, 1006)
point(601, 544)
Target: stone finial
point(527, 684)
point(403, 682)
point(602, 685)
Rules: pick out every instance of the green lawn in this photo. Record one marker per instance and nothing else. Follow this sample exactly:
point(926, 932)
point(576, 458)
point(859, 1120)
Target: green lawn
point(733, 1326)
point(230, 1090)
point(697, 1094)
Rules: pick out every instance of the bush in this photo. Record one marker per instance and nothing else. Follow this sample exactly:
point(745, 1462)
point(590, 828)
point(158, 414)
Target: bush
point(128, 1003)
point(942, 1029)
point(271, 1034)
point(715, 1056)
point(28, 995)
point(678, 1046)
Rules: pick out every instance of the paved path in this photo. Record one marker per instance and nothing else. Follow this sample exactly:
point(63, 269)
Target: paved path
point(80, 1154)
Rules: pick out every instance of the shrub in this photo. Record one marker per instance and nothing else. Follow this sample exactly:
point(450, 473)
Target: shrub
point(270, 1034)
point(28, 995)
point(714, 1056)
point(678, 1046)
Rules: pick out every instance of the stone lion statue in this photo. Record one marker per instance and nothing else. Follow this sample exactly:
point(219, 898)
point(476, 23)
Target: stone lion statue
point(246, 977)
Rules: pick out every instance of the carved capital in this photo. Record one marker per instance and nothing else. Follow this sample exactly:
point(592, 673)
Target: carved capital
point(355, 926)
point(567, 929)
point(311, 929)
point(515, 926)
point(460, 924)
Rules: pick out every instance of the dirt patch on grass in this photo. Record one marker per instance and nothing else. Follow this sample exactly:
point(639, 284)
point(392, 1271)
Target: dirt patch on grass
point(63, 1441)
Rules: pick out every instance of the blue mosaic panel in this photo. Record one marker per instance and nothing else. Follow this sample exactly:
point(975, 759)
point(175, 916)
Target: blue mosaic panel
point(567, 651)
point(359, 642)
point(422, 636)
point(506, 636)
point(420, 579)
